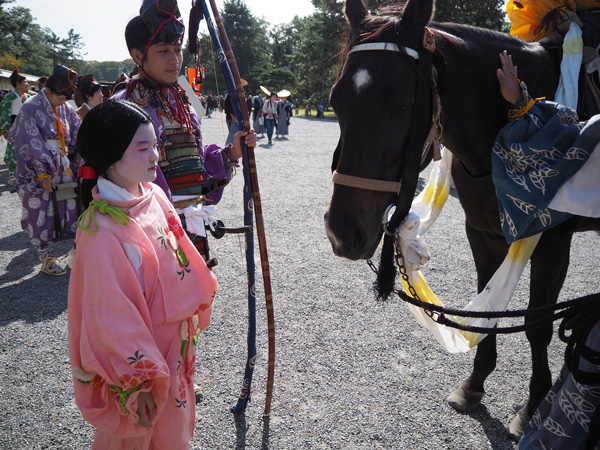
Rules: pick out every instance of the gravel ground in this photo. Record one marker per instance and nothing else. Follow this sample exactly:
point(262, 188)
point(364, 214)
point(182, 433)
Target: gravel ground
point(351, 372)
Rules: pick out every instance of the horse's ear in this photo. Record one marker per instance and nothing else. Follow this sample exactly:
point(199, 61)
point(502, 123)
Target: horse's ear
point(418, 12)
point(355, 11)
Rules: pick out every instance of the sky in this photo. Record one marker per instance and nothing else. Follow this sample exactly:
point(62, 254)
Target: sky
point(101, 24)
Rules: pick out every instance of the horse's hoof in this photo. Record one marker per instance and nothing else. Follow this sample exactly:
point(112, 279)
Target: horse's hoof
point(464, 400)
point(518, 424)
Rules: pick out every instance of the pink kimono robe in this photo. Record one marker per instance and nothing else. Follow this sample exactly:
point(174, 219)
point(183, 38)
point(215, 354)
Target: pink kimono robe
point(133, 324)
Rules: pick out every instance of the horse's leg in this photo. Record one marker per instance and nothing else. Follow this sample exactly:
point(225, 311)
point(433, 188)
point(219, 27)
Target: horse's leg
point(478, 198)
point(488, 253)
point(549, 264)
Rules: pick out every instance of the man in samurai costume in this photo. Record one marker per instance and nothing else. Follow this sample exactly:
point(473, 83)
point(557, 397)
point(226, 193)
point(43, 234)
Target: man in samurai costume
point(44, 137)
point(9, 108)
point(192, 175)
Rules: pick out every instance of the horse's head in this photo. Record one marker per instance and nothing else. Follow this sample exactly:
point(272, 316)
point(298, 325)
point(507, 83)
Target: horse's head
point(374, 99)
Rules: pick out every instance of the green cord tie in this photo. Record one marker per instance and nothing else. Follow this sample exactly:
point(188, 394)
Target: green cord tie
point(104, 208)
point(124, 394)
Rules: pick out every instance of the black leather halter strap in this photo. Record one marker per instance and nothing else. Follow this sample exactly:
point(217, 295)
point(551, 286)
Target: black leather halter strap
point(421, 121)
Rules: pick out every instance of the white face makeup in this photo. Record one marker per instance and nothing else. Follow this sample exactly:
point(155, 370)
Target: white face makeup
point(361, 79)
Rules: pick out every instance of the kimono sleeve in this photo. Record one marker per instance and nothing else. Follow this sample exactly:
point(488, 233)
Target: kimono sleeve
point(217, 171)
point(33, 156)
point(113, 353)
point(74, 123)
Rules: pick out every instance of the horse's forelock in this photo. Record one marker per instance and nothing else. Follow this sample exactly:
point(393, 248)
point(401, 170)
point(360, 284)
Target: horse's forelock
point(373, 25)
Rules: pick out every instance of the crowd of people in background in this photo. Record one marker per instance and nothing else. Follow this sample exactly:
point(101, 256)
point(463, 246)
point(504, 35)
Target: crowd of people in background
point(270, 115)
point(274, 120)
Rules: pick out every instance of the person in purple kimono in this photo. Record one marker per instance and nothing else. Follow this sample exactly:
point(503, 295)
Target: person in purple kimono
point(44, 138)
point(192, 175)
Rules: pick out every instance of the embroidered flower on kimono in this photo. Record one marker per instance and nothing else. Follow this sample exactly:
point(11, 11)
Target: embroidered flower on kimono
point(129, 381)
point(175, 226)
point(171, 235)
point(172, 240)
point(184, 330)
point(144, 370)
point(86, 377)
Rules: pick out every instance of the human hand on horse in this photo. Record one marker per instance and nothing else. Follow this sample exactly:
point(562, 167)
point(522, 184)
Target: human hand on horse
point(507, 77)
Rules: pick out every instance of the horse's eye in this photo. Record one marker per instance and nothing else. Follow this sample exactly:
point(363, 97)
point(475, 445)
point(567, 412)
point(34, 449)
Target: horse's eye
point(402, 108)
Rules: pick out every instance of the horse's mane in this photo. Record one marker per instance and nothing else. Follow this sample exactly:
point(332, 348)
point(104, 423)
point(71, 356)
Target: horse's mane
point(389, 17)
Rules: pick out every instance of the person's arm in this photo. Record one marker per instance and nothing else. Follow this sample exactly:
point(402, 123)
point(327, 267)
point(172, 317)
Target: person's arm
point(111, 344)
point(40, 169)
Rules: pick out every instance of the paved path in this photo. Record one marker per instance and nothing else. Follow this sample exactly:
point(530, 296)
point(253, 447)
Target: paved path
point(352, 373)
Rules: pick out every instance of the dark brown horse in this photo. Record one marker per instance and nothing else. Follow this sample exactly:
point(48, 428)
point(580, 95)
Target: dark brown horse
point(374, 99)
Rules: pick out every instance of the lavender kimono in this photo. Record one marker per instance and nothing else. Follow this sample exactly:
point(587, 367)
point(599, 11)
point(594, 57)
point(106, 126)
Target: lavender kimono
point(38, 152)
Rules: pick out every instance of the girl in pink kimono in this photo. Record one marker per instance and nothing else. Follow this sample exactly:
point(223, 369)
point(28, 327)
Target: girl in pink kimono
point(139, 292)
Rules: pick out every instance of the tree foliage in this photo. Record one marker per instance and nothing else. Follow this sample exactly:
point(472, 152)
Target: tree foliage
point(480, 13)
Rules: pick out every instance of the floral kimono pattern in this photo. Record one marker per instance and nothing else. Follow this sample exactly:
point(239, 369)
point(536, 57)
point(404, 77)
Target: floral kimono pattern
point(39, 153)
point(134, 321)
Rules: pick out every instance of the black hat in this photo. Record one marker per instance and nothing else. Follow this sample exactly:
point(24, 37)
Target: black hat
point(16, 77)
point(163, 20)
point(86, 80)
point(63, 81)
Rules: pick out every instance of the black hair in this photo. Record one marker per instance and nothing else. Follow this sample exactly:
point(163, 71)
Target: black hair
point(104, 135)
point(58, 87)
point(16, 77)
point(88, 90)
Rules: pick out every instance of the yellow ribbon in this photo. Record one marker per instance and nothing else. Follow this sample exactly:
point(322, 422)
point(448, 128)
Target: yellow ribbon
point(520, 112)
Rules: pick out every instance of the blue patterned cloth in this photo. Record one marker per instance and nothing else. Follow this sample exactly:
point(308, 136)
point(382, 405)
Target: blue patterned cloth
point(532, 157)
point(569, 412)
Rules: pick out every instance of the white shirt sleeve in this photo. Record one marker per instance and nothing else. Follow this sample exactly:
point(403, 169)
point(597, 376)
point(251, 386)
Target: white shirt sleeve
point(15, 106)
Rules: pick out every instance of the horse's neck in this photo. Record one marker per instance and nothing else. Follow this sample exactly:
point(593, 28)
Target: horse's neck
point(473, 108)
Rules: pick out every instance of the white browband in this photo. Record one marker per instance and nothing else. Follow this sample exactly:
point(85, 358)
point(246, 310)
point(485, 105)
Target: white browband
point(389, 46)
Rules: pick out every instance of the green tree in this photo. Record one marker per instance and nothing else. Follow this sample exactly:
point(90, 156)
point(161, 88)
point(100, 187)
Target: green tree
point(316, 54)
point(247, 35)
point(107, 71)
point(23, 40)
point(65, 51)
point(480, 13)
point(38, 48)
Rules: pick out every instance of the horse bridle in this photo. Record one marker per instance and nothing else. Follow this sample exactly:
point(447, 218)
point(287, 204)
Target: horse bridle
point(434, 134)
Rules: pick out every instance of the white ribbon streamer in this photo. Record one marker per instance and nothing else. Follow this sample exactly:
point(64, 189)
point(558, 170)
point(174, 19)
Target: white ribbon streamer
point(197, 217)
point(494, 297)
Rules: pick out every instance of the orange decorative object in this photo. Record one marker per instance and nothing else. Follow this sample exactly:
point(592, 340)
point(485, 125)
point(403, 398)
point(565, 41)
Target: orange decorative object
point(533, 19)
